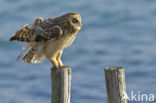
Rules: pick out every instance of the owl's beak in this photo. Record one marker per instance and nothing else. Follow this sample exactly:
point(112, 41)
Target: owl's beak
point(79, 25)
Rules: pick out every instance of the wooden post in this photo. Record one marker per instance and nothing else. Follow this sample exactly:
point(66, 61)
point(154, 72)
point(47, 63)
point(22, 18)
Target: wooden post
point(61, 83)
point(115, 84)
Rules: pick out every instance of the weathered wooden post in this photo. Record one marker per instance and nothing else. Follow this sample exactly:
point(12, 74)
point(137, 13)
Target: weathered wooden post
point(61, 84)
point(115, 84)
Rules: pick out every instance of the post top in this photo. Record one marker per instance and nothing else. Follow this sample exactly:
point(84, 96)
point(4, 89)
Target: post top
point(112, 68)
point(61, 68)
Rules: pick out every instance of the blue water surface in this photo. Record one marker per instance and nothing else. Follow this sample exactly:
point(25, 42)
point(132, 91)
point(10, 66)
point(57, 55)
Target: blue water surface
point(114, 33)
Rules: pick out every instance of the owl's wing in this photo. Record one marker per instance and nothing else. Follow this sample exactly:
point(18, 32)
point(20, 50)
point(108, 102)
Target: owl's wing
point(28, 32)
point(25, 34)
point(51, 33)
point(38, 32)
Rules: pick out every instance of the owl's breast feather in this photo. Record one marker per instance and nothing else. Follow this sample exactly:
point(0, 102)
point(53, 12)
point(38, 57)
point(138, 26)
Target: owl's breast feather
point(53, 47)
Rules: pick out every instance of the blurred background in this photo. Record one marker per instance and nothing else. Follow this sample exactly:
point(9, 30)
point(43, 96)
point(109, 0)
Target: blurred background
point(114, 33)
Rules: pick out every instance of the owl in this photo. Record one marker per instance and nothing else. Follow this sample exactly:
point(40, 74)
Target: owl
point(47, 38)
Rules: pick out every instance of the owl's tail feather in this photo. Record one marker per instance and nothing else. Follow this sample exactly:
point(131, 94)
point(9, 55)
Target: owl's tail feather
point(35, 55)
point(24, 51)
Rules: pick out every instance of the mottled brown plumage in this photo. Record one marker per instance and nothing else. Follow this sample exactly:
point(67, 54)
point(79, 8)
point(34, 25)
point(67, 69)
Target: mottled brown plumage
point(48, 38)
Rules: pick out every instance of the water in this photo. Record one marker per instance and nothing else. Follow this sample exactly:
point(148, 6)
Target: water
point(114, 33)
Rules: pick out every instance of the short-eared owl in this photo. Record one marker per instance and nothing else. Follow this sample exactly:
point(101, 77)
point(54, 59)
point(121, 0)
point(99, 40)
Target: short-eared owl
point(47, 38)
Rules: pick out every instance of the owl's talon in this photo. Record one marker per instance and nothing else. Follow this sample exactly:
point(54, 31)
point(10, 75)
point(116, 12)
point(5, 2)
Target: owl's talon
point(55, 67)
point(54, 62)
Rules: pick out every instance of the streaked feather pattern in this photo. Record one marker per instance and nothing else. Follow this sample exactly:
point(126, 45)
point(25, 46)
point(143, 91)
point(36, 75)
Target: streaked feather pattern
point(35, 55)
point(47, 38)
point(24, 51)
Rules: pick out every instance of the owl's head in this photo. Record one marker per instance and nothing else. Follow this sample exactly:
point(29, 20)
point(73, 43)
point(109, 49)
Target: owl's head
point(74, 20)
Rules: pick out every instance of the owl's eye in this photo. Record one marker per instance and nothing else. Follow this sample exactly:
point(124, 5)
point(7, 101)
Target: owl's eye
point(75, 20)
